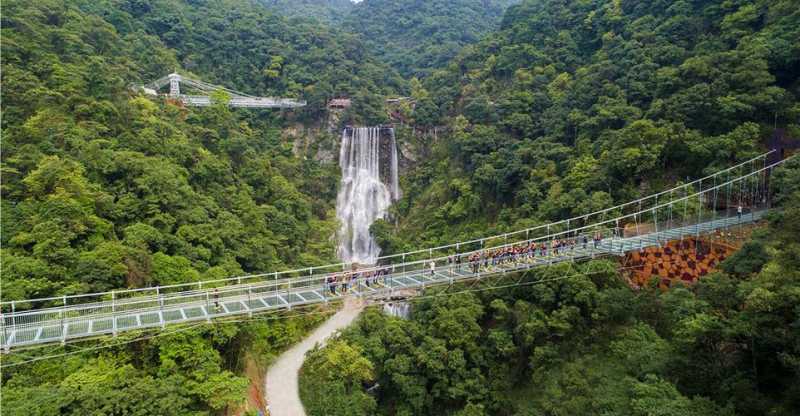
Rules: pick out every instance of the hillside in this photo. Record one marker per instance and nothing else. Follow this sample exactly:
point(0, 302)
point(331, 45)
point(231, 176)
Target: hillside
point(241, 44)
point(330, 12)
point(520, 113)
point(104, 189)
point(573, 105)
point(567, 109)
point(415, 36)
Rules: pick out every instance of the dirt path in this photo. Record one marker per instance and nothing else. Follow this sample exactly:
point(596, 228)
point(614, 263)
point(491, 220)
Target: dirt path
point(282, 388)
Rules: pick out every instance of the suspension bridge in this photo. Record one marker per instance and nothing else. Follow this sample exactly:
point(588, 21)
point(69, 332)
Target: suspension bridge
point(735, 196)
point(204, 99)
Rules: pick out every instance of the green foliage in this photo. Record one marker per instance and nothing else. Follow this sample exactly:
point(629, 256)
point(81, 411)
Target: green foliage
point(573, 106)
point(325, 11)
point(103, 189)
point(576, 343)
point(106, 191)
point(333, 380)
point(566, 109)
point(416, 37)
point(749, 259)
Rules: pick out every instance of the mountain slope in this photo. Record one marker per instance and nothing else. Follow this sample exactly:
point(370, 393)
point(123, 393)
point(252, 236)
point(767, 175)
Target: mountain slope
point(574, 104)
point(327, 11)
point(105, 189)
point(416, 36)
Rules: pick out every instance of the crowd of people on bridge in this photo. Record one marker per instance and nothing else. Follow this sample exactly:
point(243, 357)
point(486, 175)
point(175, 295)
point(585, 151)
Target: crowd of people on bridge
point(482, 260)
point(340, 283)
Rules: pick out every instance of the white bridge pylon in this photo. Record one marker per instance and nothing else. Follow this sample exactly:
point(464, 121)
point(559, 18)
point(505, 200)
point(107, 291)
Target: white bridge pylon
point(237, 99)
point(732, 197)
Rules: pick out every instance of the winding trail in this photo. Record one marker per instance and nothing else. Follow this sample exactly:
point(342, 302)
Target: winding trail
point(282, 384)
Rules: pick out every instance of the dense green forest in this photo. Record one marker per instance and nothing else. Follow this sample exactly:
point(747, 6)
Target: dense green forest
point(568, 108)
point(413, 37)
point(141, 187)
point(104, 189)
point(547, 110)
point(418, 36)
point(327, 11)
point(585, 345)
point(573, 105)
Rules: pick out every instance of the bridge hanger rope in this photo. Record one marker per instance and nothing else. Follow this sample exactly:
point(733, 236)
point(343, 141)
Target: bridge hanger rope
point(482, 240)
point(198, 84)
point(271, 315)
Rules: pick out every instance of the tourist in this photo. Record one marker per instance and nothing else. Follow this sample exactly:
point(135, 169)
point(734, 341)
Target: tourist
point(217, 306)
point(739, 211)
point(330, 284)
point(458, 263)
point(433, 267)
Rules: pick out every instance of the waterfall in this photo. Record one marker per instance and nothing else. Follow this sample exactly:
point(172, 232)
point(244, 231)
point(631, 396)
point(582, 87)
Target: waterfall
point(363, 195)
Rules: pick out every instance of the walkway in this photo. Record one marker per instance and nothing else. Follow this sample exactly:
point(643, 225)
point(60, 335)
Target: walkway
point(86, 320)
point(686, 211)
point(282, 385)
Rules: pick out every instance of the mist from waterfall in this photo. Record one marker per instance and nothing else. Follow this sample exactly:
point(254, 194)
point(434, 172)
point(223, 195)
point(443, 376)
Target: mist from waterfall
point(398, 309)
point(363, 196)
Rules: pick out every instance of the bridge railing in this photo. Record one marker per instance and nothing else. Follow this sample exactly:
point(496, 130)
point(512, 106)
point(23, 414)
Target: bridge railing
point(143, 306)
point(146, 303)
point(140, 307)
point(287, 279)
point(758, 163)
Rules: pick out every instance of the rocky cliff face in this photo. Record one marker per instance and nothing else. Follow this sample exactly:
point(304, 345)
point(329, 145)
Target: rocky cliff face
point(312, 142)
point(414, 145)
point(322, 142)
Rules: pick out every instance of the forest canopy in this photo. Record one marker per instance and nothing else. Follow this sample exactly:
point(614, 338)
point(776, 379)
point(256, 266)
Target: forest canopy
point(518, 113)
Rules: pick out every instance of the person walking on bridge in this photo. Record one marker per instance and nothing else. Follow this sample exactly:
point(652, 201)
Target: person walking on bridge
point(739, 212)
point(433, 267)
point(216, 301)
point(345, 282)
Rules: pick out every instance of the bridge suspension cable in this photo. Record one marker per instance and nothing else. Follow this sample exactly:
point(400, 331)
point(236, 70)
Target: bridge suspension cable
point(54, 319)
point(473, 242)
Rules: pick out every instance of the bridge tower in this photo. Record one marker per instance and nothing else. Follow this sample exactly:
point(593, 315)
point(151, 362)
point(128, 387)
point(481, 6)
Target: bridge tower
point(174, 85)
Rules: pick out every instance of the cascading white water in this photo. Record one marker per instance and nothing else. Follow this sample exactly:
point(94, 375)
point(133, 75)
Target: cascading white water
point(363, 197)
